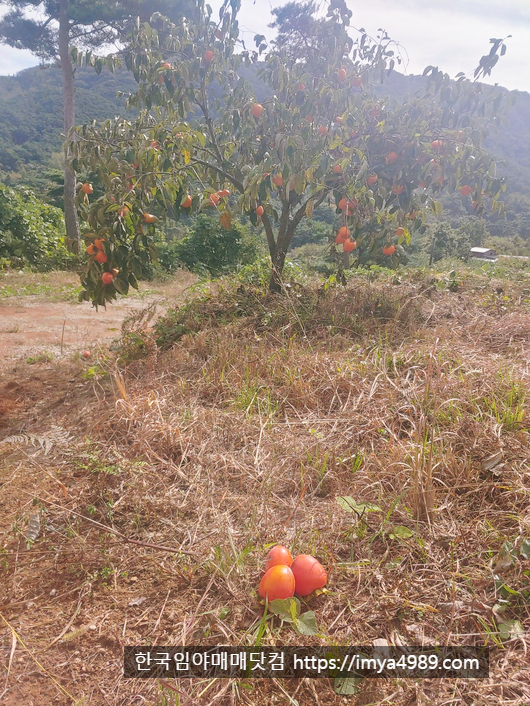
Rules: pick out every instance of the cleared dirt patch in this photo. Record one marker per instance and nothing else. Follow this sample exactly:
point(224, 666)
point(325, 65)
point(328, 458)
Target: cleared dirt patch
point(47, 322)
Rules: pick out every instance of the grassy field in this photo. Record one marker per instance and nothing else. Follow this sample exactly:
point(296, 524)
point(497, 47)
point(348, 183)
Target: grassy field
point(237, 421)
point(60, 286)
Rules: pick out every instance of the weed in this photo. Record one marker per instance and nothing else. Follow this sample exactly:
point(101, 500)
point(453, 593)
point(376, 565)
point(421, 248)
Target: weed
point(45, 357)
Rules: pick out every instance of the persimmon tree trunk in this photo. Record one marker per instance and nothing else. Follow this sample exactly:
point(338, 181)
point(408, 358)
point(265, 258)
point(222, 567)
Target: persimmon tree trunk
point(70, 211)
point(289, 222)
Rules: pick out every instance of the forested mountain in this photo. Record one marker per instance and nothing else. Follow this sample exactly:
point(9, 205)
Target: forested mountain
point(31, 119)
point(31, 116)
point(31, 127)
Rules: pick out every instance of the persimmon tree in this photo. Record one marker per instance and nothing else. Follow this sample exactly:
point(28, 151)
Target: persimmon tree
point(202, 141)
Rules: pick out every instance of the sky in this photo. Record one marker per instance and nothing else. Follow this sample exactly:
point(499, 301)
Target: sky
point(450, 34)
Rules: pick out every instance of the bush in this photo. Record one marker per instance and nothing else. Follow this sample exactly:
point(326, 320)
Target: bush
point(211, 248)
point(258, 273)
point(385, 312)
point(31, 232)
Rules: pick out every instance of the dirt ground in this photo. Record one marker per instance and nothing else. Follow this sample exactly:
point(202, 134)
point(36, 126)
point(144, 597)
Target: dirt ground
point(50, 323)
point(44, 389)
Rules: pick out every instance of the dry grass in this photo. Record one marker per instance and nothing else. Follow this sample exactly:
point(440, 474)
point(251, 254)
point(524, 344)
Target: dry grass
point(242, 434)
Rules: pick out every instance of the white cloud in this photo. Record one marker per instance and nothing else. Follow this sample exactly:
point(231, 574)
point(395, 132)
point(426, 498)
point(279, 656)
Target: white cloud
point(14, 60)
point(452, 35)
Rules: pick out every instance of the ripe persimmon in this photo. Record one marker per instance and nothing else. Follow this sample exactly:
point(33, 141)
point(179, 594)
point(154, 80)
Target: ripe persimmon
point(208, 56)
point(92, 250)
point(322, 130)
point(349, 245)
point(337, 169)
point(278, 556)
point(277, 180)
point(397, 189)
point(342, 204)
point(87, 188)
point(344, 232)
point(257, 110)
point(101, 257)
point(149, 218)
point(260, 211)
point(277, 582)
point(98, 242)
point(107, 278)
point(389, 249)
point(309, 574)
point(341, 74)
point(466, 190)
point(357, 82)
point(399, 232)
point(372, 179)
point(391, 157)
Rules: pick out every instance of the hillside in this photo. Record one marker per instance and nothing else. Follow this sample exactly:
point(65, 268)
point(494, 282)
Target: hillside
point(31, 115)
point(31, 120)
point(31, 127)
point(382, 427)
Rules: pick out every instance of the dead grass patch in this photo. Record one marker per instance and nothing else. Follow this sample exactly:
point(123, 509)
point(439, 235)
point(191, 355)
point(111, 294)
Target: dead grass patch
point(242, 432)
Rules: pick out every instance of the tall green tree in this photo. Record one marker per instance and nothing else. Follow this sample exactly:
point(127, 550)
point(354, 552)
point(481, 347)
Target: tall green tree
point(201, 141)
point(51, 28)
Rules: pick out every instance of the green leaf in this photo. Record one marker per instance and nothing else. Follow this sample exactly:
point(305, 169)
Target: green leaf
point(401, 532)
point(121, 286)
point(288, 609)
point(306, 624)
point(347, 686)
point(350, 505)
point(510, 629)
point(524, 549)
point(508, 551)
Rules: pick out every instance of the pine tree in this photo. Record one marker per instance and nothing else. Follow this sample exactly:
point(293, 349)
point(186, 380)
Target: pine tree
point(61, 25)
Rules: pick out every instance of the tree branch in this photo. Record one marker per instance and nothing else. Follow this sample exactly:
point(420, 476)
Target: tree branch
point(239, 186)
point(301, 211)
point(270, 234)
point(209, 123)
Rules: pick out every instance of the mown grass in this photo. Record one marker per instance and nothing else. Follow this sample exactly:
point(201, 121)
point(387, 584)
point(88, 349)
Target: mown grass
point(63, 286)
point(237, 420)
point(42, 286)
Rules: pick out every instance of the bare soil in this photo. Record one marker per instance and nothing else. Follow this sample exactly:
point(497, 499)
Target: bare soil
point(48, 325)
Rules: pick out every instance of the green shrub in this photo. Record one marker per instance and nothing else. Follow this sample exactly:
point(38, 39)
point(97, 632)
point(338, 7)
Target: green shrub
point(31, 232)
point(258, 273)
point(209, 248)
